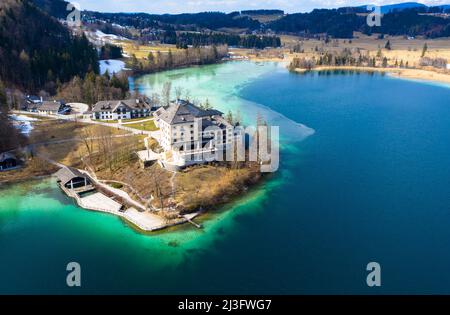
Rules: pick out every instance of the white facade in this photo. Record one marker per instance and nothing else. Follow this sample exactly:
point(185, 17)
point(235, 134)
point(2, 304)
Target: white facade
point(188, 143)
point(116, 110)
point(110, 115)
point(190, 136)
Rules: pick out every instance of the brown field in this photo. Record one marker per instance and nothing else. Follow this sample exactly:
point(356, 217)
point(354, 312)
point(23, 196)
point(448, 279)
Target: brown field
point(45, 137)
point(32, 168)
point(142, 51)
point(52, 130)
point(210, 186)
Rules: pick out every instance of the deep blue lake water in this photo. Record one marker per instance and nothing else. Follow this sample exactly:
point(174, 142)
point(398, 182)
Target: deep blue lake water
point(371, 184)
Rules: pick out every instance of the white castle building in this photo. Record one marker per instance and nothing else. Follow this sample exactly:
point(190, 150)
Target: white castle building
point(191, 135)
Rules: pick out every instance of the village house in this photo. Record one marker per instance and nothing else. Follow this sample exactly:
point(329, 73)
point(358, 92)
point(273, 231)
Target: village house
point(189, 133)
point(33, 99)
point(31, 103)
point(52, 108)
point(8, 161)
point(36, 104)
point(123, 109)
point(73, 179)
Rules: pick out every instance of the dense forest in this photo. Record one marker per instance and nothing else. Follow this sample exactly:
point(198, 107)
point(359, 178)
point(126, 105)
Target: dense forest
point(10, 136)
point(341, 23)
point(411, 22)
point(55, 8)
point(189, 21)
point(109, 51)
point(262, 12)
point(36, 51)
point(332, 22)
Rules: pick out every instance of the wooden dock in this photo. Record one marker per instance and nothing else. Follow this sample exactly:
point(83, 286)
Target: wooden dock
point(189, 219)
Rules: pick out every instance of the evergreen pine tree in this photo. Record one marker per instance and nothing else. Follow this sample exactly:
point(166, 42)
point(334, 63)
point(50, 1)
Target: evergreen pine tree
point(424, 49)
point(3, 99)
point(388, 45)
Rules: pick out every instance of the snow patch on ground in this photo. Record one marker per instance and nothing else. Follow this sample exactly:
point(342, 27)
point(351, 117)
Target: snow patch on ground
point(102, 35)
point(113, 66)
point(23, 123)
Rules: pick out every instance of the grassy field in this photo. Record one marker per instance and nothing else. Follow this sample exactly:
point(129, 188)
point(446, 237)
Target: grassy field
point(124, 120)
point(142, 51)
point(148, 125)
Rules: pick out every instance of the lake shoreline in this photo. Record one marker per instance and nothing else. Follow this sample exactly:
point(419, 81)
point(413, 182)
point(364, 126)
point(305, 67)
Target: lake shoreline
point(358, 190)
point(411, 74)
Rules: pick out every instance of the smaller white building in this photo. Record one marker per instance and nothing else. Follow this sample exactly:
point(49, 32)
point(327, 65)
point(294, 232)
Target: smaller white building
point(123, 109)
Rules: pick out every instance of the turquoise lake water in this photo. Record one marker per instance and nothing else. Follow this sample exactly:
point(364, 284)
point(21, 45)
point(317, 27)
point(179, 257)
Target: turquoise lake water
point(364, 176)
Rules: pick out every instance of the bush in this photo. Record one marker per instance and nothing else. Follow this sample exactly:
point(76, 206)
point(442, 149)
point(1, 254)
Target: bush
point(116, 185)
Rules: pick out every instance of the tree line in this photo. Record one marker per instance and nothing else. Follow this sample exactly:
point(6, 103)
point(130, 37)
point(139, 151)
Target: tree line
point(345, 58)
point(109, 51)
point(185, 39)
point(191, 21)
point(176, 59)
point(10, 136)
point(94, 88)
point(341, 23)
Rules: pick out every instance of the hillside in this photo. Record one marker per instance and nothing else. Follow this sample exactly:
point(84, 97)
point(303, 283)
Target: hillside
point(411, 22)
point(401, 6)
point(36, 51)
point(337, 23)
point(185, 21)
point(56, 8)
point(263, 16)
point(408, 18)
point(341, 23)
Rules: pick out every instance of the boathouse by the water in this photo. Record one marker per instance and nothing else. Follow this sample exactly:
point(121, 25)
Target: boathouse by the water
point(8, 161)
point(72, 178)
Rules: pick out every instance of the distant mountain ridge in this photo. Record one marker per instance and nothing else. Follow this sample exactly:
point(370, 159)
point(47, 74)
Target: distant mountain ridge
point(405, 6)
point(408, 18)
point(400, 6)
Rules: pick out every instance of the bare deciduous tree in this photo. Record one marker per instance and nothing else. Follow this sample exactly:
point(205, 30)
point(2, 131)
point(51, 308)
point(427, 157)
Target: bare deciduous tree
point(166, 92)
